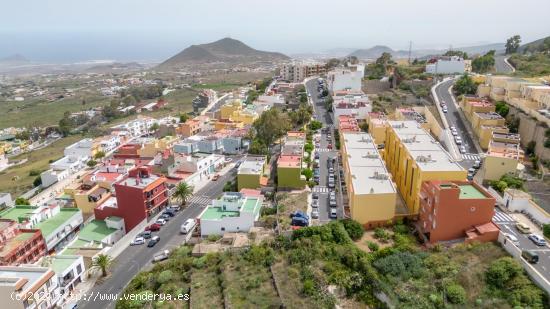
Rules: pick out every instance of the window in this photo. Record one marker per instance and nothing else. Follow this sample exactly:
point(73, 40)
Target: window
point(78, 269)
point(223, 228)
point(472, 209)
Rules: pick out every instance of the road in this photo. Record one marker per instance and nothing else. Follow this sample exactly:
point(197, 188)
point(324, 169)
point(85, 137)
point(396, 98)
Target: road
point(324, 117)
point(507, 225)
point(454, 119)
point(501, 66)
point(137, 258)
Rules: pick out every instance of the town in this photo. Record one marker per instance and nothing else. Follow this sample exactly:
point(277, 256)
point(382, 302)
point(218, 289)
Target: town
point(227, 176)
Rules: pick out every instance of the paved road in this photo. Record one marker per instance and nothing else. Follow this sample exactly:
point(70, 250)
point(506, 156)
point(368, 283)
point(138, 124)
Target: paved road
point(453, 118)
point(507, 225)
point(501, 66)
point(137, 258)
point(323, 116)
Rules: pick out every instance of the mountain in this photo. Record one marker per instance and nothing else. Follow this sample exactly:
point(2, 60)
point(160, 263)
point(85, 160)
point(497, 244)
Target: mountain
point(13, 60)
point(376, 51)
point(227, 50)
point(533, 46)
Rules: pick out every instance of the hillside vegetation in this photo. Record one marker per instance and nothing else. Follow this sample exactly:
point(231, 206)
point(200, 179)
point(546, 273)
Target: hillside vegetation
point(322, 266)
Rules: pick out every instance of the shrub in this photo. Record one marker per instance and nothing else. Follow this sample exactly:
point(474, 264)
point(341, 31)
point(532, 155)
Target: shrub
point(213, 238)
point(546, 230)
point(309, 287)
point(373, 246)
point(164, 276)
point(382, 234)
point(34, 173)
point(355, 229)
point(260, 255)
point(501, 271)
point(455, 293)
point(400, 229)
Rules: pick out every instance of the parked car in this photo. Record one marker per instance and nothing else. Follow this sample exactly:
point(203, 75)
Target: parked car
point(462, 149)
point(511, 237)
point(458, 140)
point(331, 183)
point(153, 227)
point(216, 177)
point(165, 217)
point(477, 164)
point(146, 234)
point(188, 226)
point(160, 221)
point(523, 228)
point(333, 213)
point(154, 240)
point(137, 241)
point(175, 208)
point(315, 203)
point(329, 146)
point(316, 155)
point(315, 214)
point(537, 240)
point(315, 195)
point(452, 128)
point(331, 170)
point(299, 221)
point(530, 256)
point(163, 255)
point(445, 109)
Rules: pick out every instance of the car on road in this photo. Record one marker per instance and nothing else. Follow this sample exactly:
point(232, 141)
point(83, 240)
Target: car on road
point(315, 195)
point(537, 239)
point(163, 255)
point(174, 208)
point(333, 213)
point(169, 212)
point(462, 149)
point(523, 228)
point(470, 177)
point(154, 240)
point(160, 221)
point(315, 204)
point(329, 146)
point(153, 227)
point(454, 133)
point(137, 241)
point(331, 170)
point(458, 140)
point(216, 177)
point(477, 164)
point(315, 214)
point(511, 237)
point(445, 109)
point(530, 256)
point(165, 217)
point(453, 128)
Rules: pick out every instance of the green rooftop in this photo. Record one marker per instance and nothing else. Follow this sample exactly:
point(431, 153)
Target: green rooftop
point(216, 213)
point(73, 248)
point(96, 230)
point(250, 205)
point(17, 213)
point(470, 192)
point(61, 263)
point(52, 224)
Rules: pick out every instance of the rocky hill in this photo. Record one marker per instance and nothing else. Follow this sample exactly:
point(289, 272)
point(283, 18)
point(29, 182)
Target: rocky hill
point(227, 50)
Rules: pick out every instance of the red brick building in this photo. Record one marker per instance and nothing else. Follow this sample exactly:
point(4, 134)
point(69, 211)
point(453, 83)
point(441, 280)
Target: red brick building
point(139, 196)
point(20, 246)
point(456, 209)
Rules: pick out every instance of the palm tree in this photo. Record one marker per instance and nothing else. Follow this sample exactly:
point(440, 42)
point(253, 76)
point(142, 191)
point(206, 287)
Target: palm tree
point(102, 262)
point(183, 192)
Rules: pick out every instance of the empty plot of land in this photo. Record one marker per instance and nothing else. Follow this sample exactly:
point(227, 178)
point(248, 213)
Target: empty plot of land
point(206, 290)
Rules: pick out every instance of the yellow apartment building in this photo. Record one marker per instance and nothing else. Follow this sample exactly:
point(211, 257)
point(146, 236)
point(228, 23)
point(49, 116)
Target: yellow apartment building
point(491, 119)
point(486, 135)
point(377, 127)
point(503, 155)
point(413, 156)
point(371, 193)
point(253, 173)
point(227, 110)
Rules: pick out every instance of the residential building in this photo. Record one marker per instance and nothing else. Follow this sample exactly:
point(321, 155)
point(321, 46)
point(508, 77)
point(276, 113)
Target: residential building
point(52, 176)
point(71, 163)
point(520, 201)
point(196, 167)
point(5, 200)
point(491, 119)
point(296, 71)
point(252, 173)
point(88, 195)
point(227, 110)
point(350, 103)
point(58, 225)
point(347, 124)
point(109, 143)
point(138, 197)
point(289, 164)
point(377, 123)
point(20, 246)
point(69, 270)
point(25, 287)
point(474, 104)
point(447, 65)
point(194, 126)
point(413, 156)
point(371, 193)
point(456, 209)
point(345, 79)
point(502, 157)
point(83, 148)
point(486, 134)
point(233, 212)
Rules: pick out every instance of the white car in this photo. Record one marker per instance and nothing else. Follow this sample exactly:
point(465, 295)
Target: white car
point(163, 255)
point(228, 159)
point(511, 237)
point(462, 149)
point(160, 222)
point(454, 133)
point(137, 241)
point(452, 128)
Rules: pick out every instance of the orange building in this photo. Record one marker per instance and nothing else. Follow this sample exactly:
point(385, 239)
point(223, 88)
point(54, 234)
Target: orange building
point(193, 126)
point(20, 246)
point(456, 209)
point(347, 123)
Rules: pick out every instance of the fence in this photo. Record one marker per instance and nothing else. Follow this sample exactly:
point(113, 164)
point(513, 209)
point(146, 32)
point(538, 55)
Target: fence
point(539, 279)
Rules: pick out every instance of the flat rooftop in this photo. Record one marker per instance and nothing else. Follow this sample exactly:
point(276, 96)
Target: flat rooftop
point(14, 213)
point(96, 230)
point(62, 262)
point(470, 192)
point(489, 116)
point(50, 225)
point(250, 205)
point(428, 154)
point(368, 171)
point(252, 165)
point(31, 275)
point(141, 182)
point(15, 242)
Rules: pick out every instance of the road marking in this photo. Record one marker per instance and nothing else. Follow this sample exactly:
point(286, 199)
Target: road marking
point(502, 217)
point(200, 200)
point(471, 156)
point(321, 189)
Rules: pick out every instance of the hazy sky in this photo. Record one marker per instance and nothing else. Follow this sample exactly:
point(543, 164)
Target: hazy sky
point(57, 30)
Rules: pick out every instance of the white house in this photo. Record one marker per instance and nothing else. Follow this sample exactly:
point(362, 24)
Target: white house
point(195, 167)
point(517, 200)
point(3, 162)
point(69, 270)
point(52, 176)
point(19, 283)
point(233, 212)
point(109, 143)
point(447, 65)
point(351, 103)
point(82, 148)
point(345, 79)
point(5, 200)
point(71, 163)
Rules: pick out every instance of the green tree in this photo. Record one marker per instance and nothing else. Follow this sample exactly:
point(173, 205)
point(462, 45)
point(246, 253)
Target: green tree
point(502, 108)
point(459, 53)
point(99, 155)
point(102, 262)
point(91, 163)
point(546, 230)
point(484, 63)
point(501, 271)
point(183, 192)
point(271, 125)
point(183, 118)
point(315, 125)
point(66, 124)
point(512, 44)
point(154, 127)
point(308, 173)
point(355, 229)
point(37, 181)
point(455, 293)
point(465, 85)
point(22, 201)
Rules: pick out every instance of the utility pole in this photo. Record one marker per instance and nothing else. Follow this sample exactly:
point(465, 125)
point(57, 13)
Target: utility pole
point(410, 49)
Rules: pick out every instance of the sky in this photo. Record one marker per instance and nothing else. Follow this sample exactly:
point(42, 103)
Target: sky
point(153, 30)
